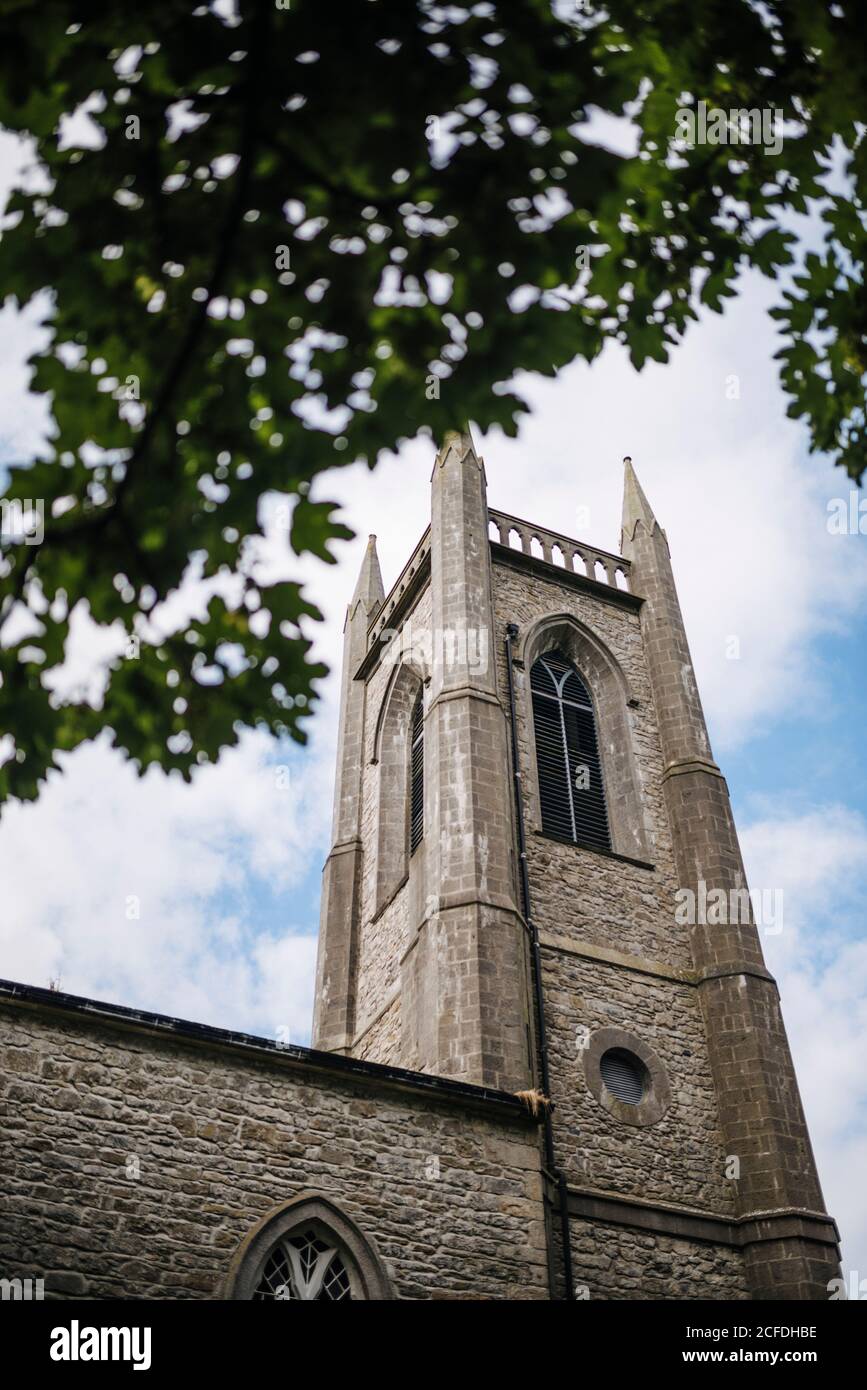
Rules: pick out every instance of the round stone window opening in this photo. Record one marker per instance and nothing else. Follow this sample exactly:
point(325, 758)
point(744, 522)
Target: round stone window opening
point(625, 1075)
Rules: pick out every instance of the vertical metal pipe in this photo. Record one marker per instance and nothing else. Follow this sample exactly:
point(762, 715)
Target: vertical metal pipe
point(556, 1175)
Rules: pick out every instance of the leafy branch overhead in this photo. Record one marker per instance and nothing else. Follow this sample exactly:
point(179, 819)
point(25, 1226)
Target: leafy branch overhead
point(273, 240)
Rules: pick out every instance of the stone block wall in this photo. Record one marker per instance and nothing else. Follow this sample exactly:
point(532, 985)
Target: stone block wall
point(385, 931)
point(615, 1262)
point(135, 1157)
point(381, 1042)
point(607, 902)
point(618, 966)
point(680, 1157)
point(615, 958)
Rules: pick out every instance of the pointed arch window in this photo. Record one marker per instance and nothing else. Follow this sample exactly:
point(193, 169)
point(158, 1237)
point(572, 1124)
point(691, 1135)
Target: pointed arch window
point(399, 752)
point(305, 1268)
point(307, 1251)
point(567, 754)
point(416, 759)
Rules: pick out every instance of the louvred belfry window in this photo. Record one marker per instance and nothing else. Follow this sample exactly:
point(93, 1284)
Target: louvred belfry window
point(416, 814)
point(567, 754)
point(624, 1075)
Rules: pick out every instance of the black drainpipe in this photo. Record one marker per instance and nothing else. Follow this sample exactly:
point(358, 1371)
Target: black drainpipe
point(550, 1164)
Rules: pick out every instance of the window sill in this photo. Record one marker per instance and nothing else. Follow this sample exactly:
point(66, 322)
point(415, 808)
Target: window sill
point(595, 849)
point(389, 899)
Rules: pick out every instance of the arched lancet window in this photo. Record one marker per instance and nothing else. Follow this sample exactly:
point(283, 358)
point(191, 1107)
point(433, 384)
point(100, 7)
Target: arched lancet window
point(416, 813)
point(567, 754)
point(399, 751)
point(307, 1251)
point(304, 1267)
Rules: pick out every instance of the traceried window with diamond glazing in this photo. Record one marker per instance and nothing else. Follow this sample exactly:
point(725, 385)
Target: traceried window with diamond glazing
point(303, 1266)
point(567, 754)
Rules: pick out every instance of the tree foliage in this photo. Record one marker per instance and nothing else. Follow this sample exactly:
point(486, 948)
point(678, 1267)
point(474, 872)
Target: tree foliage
point(297, 236)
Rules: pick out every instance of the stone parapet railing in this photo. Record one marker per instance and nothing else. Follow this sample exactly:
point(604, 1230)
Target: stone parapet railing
point(559, 551)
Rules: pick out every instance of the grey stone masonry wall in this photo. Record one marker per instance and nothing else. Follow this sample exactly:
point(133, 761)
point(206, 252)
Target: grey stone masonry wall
point(334, 1020)
point(588, 896)
point(678, 1159)
point(720, 1133)
point(465, 1004)
point(442, 1181)
point(381, 1040)
point(440, 961)
point(760, 1110)
point(614, 1262)
point(425, 959)
point(387, 922)
point(605, 924)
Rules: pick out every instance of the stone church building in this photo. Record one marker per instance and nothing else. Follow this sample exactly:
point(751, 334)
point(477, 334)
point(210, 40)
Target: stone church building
point(531, 1077)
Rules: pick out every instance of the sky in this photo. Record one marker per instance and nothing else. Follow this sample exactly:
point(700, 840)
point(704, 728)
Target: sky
point(202, 901)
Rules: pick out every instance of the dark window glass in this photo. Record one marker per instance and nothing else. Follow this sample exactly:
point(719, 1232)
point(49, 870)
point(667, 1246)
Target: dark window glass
point(567, 754)
point(416, 814)
point(625, 1075)
point(306, 1269)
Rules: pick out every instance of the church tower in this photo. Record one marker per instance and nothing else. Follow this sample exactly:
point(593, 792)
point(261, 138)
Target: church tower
point(423, 959)
point(529, 827)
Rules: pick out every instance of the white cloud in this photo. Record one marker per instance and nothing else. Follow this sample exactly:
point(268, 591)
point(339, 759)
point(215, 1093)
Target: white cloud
point(103, 845)
point(819, 859)
point(24, 417)
point(744, 507)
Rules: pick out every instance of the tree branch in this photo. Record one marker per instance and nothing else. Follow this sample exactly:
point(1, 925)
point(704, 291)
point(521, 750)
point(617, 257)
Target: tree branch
point(198, 321)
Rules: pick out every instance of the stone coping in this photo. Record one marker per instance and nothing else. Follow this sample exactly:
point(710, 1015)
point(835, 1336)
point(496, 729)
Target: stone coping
point(502, 1105)
point(686, 1223)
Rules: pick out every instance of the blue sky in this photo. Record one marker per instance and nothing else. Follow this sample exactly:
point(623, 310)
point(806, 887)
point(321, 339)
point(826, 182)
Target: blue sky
point(818, 747)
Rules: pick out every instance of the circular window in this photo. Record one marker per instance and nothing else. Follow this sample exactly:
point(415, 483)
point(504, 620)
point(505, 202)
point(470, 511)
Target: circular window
point(626, 1077)
point(624, 1074)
